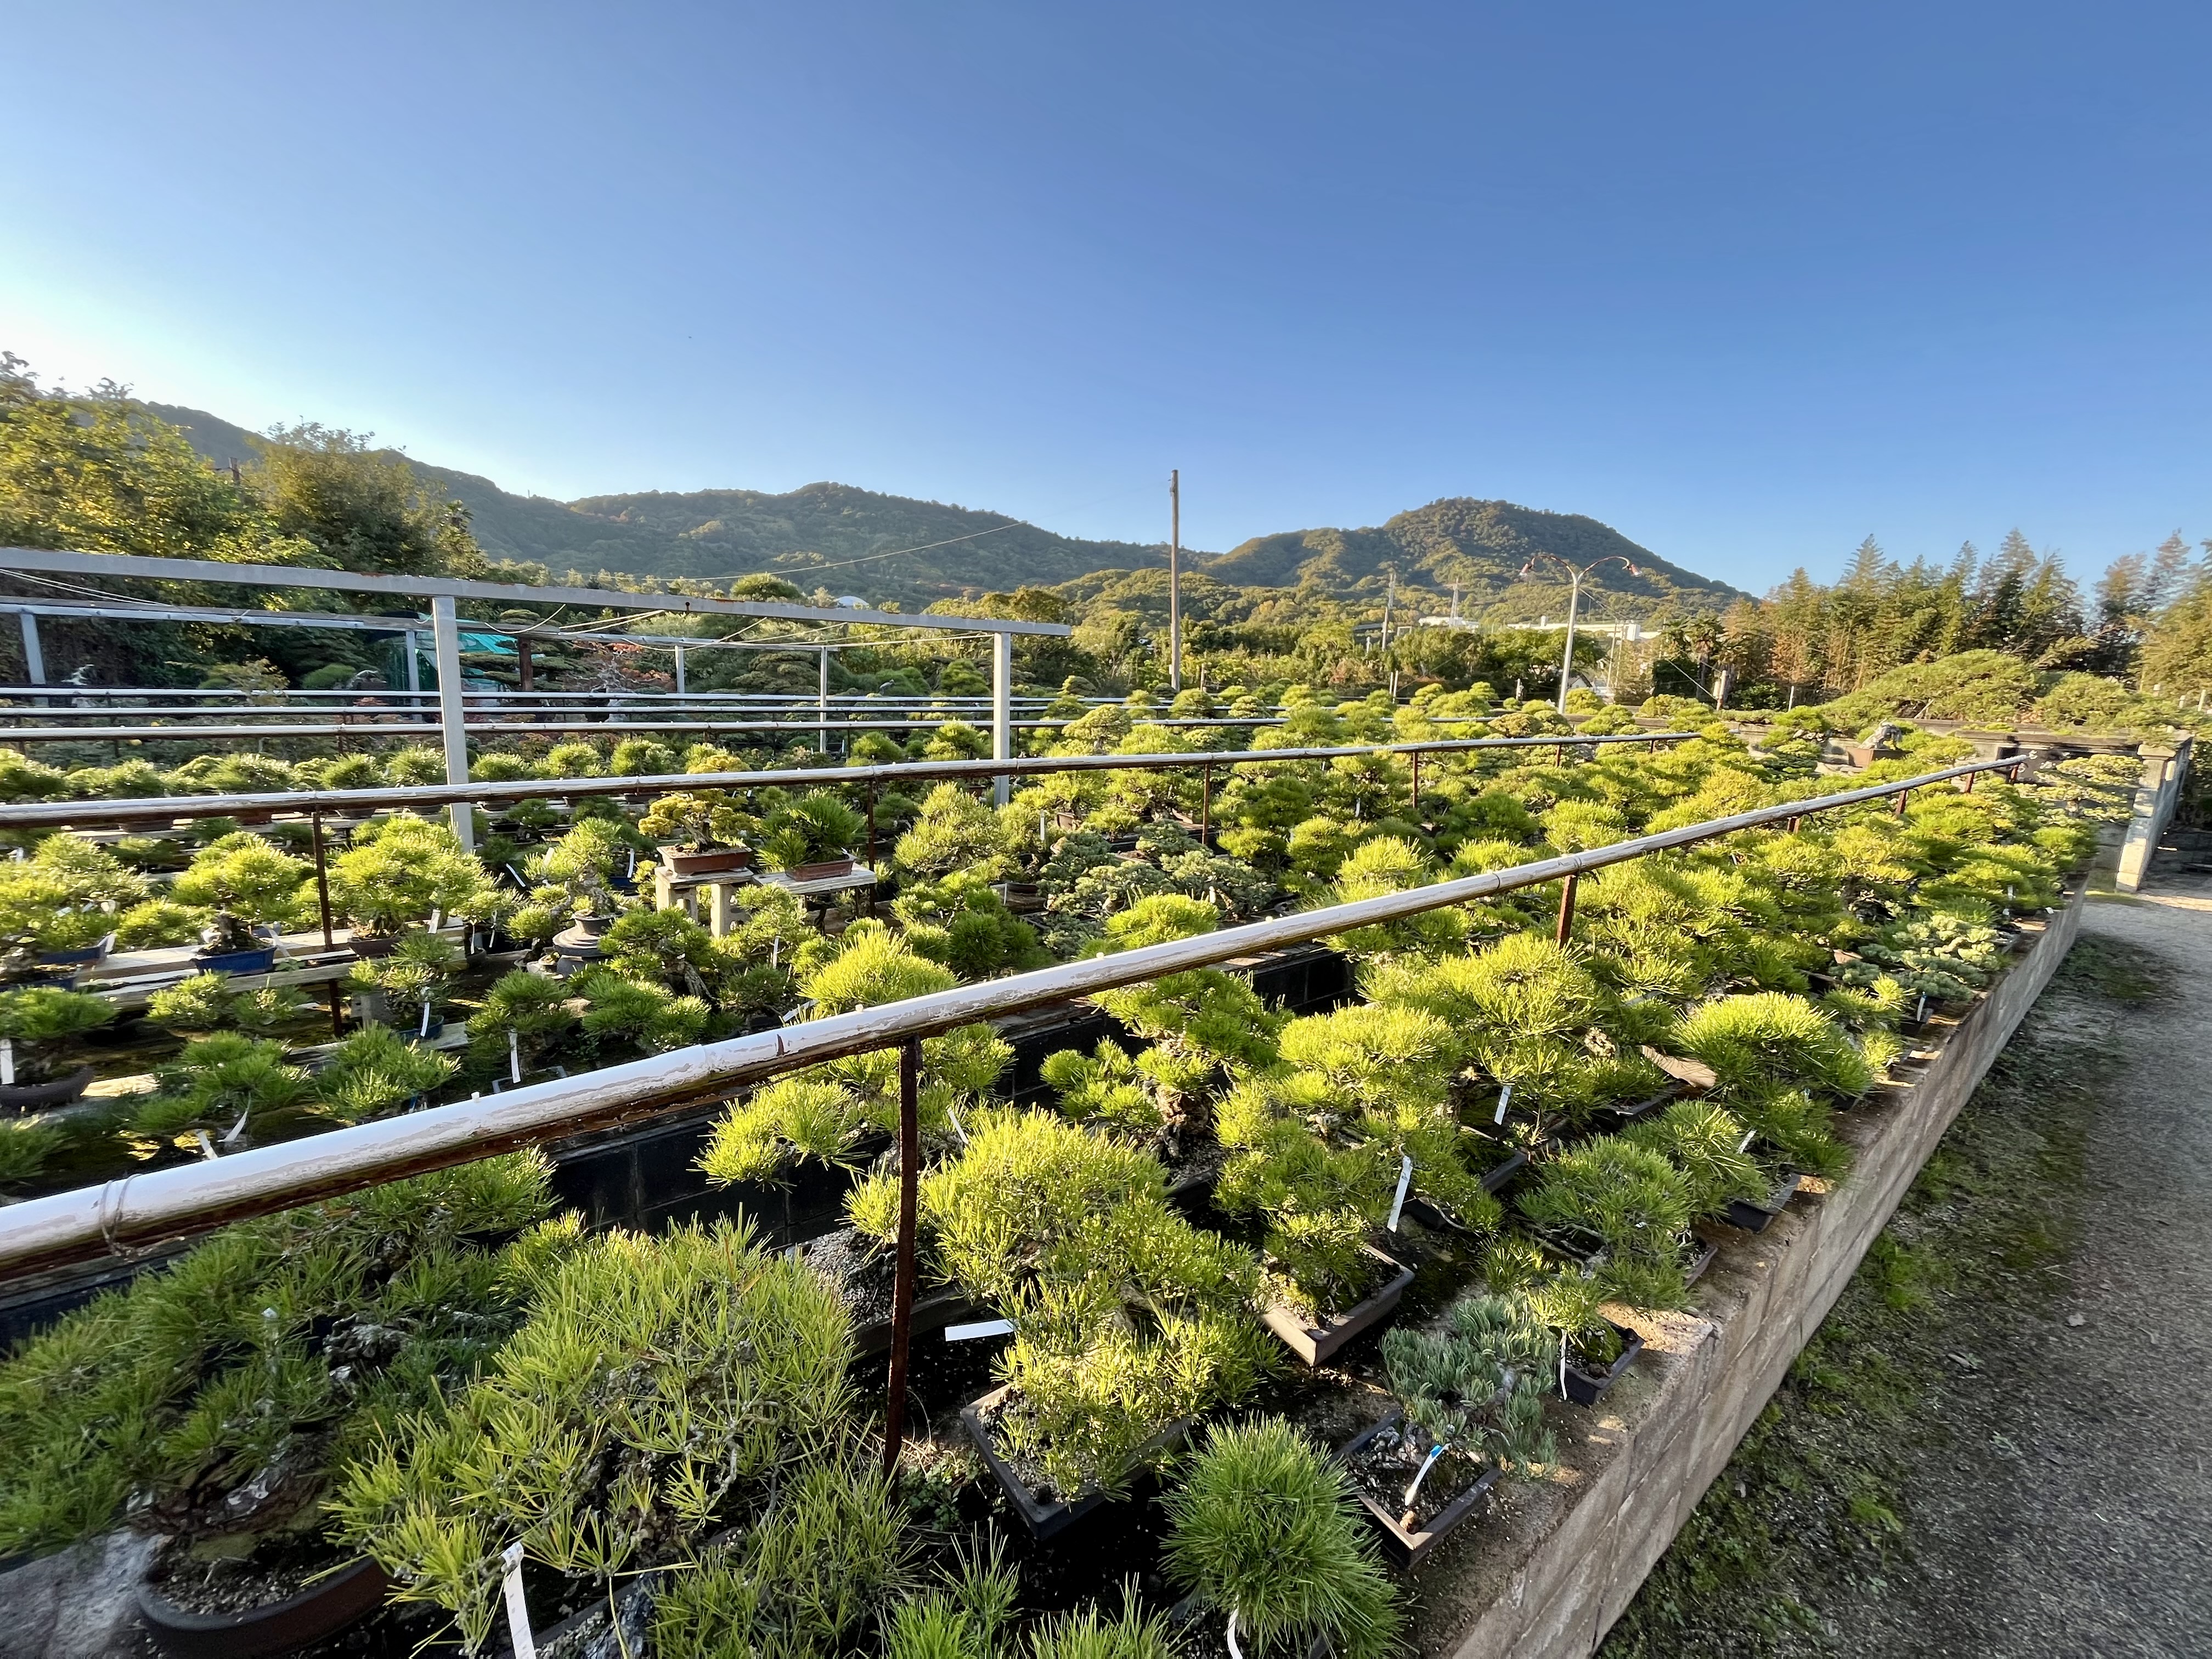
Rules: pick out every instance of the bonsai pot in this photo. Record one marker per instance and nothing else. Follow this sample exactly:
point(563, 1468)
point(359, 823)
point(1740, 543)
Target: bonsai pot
point(236, 962)
point(712, 861)
point(821, 870)
point(1650, 1104)
point(89, 956)
point(1499, 1173)
point(1408, 1548)
point(1753, 1217)
point(321, 1610)
point(374, 947)
point(1320, 1340)
point(1694, 1269)
point(39, 1096)
point(1585, 1387)
point(1043, 1517)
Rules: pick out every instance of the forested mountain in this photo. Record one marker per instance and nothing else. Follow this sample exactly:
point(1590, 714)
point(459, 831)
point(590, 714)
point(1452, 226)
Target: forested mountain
point(806, 534)
point(812, 535)
point(1481, 546)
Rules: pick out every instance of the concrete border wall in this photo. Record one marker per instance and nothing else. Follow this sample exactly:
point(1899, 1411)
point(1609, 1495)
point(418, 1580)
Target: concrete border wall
point(2156, 796)
point(1546, 1576)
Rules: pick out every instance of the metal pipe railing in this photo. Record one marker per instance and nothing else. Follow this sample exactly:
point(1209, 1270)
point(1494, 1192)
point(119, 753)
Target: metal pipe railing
point(372, 727)
point(145, 1212)
point(161, 808)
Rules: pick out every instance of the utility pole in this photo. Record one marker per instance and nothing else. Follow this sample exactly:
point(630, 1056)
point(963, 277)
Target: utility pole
point(1390, 603)
point(1575, 575)
point(1174, 581)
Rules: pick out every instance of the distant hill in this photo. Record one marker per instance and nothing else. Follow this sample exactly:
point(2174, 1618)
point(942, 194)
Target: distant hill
point(1481, 546)
point(804, 534)
point(809, 534)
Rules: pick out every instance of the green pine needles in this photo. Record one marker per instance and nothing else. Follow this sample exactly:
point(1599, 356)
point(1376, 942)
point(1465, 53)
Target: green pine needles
point(1261, 1525)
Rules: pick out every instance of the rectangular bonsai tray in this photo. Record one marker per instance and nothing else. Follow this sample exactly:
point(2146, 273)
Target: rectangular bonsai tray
point(1754, 1218)
point(1044, 1519)
point(1408, 1549)
point(1585, 1387)
point(1314, 1345)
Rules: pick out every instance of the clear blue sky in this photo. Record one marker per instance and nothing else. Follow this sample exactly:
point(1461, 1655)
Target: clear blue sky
point(1747, 282)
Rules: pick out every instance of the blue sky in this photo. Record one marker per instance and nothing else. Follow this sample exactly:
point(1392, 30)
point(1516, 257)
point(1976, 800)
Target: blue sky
point(1748, 281)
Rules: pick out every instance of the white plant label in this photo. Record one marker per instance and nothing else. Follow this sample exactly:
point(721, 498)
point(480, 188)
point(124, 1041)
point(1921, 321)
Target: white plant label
point(956, 1128)
point(518, 1611)
point(437, 920)
point(7, 1062)
point(1744, 1146)
point(1563, 1363)
point(1404, 1180)
point(514, 1054)
point(1920, 1015)
point(207, 1147)
point(424, 1030)
point(774, 950)
point(1505, 1099)
point(980, 1328)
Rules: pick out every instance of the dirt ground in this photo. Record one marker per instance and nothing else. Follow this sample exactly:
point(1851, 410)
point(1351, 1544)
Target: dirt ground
point(1998, 1444)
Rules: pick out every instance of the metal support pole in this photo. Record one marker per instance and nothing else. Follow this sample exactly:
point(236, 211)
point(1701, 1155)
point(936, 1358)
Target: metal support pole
point(902, 1281)
point(679, 670)
point(1002, 712)
point(1567, 908)
point(822, 707)
point(872, 826)
point(1795, 822)
point(414, 666)
point(1416, 759)
point(1567, 657)
point(522, 665)
point(1902, 795)
point(1175, 582)
point(1205, 802)
point(34, 660)
point(322, 878)
point(446, 635)
point(1970, 776)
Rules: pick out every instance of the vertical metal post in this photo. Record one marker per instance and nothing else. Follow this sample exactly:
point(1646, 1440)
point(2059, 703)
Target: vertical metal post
point(1002, 712)
point(902, 1281)
point(522, 664)
point(821, 708)
point(1205, 802)
point(34, 660)
point(1416, 758)
point(1174, 581)
point(414, 668)
point(1970, 776)
point(1902, 796)
point(1796, 821)
point(1567, 657)
point(872, 826)
point(446, 637)
point(1567, 908)
point(322, 878)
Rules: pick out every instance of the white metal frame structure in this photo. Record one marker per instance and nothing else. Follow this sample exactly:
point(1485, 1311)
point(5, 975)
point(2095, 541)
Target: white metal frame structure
point(443, 592)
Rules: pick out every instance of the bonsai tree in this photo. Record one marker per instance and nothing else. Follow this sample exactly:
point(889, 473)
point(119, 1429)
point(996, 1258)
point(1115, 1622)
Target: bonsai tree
point(522, 1022)
point(813, 830)
point(1473, 1387)
point(953, 832)
point(643, 758)
point(1707, 1145)
point(1633, 1207)
point(1261, 1527)
point(960, 922)
point(400, 872)
point(650, 1016)
point(375, 1071)
point(215, 1396)
point(693, 821)
point(37, 1025)
point(659, 1385)
point(62, 899)
point(575, 874)
point(205, 1002)
point(229, 1091)
point(414, 976)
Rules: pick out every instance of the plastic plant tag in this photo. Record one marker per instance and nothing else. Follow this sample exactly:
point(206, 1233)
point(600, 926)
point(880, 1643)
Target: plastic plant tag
point(518, 1611)
point(514, 1054)
point(1404, 1180)
point(1235, 1652)
point(7, 1062)
point(1563, 1362)
point(437, 920)
point(1920, 1014)
point(1749, 1136)
point(774, 950)
point(423, 1030)
point(207, 1147)
point(980, 1328)
point(1505, 1099)
point(958, 1128)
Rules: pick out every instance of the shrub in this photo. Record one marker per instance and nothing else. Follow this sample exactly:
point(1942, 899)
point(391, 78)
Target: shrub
point(40, 1020)
point(1707, 1143)
point(205, 1002)
point(643, 758)
point(530, 1006)
point(229, 1087)
point(243, 876)
point(1635, 1205)
point(399, 870)
point(816, 827)
point(375, 1071)
point(1770, 1039)
point(1261, 1526)
point(155, 924)
point(657, 1384)
point(213, 1395)
point(418, 969)
point(1476, 1383)
point(953, 831)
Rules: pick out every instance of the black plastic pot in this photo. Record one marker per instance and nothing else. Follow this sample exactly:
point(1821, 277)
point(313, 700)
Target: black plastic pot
point(1407, 1548)
point(1695, 1269)
point(1319, 1341)
point(41, 1097)
point(1043, 1517)
point(1585, 1387)
point(1753, 1217)
point(1644, 1107)
point(321, 1610)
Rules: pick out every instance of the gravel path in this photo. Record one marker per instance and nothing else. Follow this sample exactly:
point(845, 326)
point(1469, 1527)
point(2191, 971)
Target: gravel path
point(2079, 1517)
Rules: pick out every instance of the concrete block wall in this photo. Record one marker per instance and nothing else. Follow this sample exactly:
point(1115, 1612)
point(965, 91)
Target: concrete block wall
point(1547, 1576)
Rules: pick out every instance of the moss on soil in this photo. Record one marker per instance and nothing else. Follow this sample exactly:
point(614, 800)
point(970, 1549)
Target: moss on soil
point(1811, 1517)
